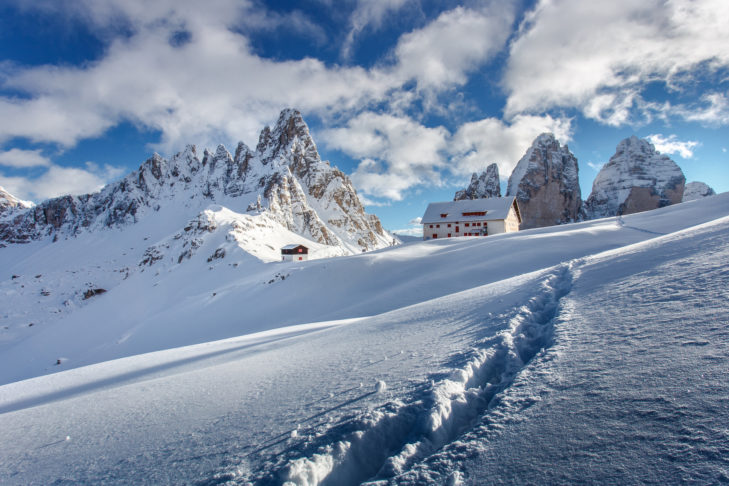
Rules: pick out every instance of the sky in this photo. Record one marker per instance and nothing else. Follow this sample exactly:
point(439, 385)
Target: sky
point(408, 97)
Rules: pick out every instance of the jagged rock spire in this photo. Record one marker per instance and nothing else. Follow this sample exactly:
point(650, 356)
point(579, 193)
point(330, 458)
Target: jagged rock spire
point(482, 186)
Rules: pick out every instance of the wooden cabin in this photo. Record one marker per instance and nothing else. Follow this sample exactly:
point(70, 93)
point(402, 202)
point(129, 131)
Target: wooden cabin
point(294, 253)
point(471, 217)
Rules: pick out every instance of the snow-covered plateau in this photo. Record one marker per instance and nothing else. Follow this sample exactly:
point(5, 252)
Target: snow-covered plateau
point(593, 352)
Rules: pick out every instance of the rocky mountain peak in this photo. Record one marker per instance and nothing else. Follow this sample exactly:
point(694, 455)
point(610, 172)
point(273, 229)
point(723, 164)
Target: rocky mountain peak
point(636, 178)
point(545, 182)
point(696, 190)
point(482, 186)
point(285, 177)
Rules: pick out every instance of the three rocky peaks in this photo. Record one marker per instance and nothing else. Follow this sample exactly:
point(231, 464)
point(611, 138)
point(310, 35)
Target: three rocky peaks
point(546, 185)
point(283, 179)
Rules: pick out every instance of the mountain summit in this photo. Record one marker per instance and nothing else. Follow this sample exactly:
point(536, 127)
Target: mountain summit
point(284, 178)
point(482, 186)
point(637, 178)
point(546, 184)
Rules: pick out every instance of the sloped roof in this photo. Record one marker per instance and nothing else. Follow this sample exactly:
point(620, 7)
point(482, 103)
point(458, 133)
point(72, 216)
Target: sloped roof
point(496, 208)
point(292, 247)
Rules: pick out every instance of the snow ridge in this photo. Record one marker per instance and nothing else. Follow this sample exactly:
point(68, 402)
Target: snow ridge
point(387, 442)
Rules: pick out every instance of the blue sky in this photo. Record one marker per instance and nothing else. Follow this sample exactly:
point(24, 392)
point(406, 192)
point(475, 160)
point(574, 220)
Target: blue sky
point(408, 97)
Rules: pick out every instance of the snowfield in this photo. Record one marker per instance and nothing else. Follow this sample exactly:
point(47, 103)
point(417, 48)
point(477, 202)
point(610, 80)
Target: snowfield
point(586, 353)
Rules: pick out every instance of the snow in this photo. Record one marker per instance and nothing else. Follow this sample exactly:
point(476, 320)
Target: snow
point(578, 349)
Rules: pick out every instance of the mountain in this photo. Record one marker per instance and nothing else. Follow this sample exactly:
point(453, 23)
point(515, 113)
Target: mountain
point(482, 186)
point(8, 201)
point(637, 178)
point(284, 178)
point(696, 190)
point(546, 184)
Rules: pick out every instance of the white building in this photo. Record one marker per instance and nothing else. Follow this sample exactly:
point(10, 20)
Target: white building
point(471, 217)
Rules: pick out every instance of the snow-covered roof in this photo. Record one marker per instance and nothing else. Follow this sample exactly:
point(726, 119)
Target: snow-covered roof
point(292, 246)
point(495, 207)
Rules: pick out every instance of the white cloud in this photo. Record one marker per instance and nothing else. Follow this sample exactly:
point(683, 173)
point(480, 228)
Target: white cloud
point(414, 228)
point(19, 159)
point(58, 181)
point(478, 144)
point(368, 14)
point(459, 41)
point(595, 166)
point(213, 88)
point(671, 145)
point(396, 153)
point(714, 112)
point(598, 56)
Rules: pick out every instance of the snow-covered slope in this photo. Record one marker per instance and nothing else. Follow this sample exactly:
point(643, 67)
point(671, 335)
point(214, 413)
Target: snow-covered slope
point(637, 178)
point(545, 182)
point(284, 176)
point(571, 349)
point(485, 185)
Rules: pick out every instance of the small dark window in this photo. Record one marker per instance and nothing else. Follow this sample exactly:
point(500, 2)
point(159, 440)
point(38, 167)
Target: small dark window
point(437, 226)
point(443, 215)
point(466, 225)
point(435, 235)
point(449, 225)
point(449, 235)
point(431, 225)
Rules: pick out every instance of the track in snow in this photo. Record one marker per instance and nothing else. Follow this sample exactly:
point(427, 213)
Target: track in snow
point(388, 441)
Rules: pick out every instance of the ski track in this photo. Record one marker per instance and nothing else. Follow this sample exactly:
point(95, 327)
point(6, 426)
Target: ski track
point(383, 443)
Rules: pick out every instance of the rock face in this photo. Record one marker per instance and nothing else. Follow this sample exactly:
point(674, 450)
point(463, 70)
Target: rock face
point(696, 190)
point(546, 184)
point(637, 178)
point(284, 176)
point(482, 186)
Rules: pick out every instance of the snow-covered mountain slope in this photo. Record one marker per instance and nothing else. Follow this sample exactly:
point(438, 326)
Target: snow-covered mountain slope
point(284, 176)
point(545, 182)
point(637, 178)
point(8, 201)
point(696, 190)
point(447, 361)
point(485, 185)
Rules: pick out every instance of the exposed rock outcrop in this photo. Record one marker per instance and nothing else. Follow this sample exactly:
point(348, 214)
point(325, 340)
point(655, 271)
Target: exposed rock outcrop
point(485, 185)
point(284, 176)
point(696, 190)
point(8, 201)
point(637, 178)
point(546, 184)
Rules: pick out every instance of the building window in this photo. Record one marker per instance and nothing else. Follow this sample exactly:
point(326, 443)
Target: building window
point(437, 226)
point(435, 235)
point(449, 235)
point(443, 215)
point(449, 225)
point(431, 225)
point(475, 213)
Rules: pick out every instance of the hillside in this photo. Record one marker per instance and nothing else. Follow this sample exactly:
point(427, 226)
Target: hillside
point(573, 349)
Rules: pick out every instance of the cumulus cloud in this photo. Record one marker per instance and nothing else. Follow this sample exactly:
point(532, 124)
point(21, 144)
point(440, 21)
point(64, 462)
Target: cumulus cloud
point(368, 14)
point(671, 145)
point(458, 42)
point(598, 57)
point(21, 159)
point(396, 153)
point(58, 181)
point(211, 86)
point(477, 144)
point(414, 228)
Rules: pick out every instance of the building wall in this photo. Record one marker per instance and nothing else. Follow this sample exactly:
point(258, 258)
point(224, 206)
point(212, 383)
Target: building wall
point(295, 258)
point(474, 228)
point(442, 230)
